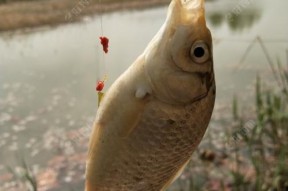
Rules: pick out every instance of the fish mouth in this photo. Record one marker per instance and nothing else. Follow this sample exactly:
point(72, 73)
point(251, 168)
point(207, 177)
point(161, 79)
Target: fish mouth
point(186, 12)
point(193, 4)
point(194, 9)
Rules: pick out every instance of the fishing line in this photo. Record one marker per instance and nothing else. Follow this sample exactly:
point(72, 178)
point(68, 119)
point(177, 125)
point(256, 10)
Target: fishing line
point(101, 18)
point(100, 82)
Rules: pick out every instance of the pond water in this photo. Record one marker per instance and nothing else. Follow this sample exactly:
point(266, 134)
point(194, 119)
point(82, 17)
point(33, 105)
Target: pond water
point(47, 77)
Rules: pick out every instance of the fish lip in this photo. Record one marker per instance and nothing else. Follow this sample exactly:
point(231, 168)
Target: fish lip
point(191, 11)
point(192, 4)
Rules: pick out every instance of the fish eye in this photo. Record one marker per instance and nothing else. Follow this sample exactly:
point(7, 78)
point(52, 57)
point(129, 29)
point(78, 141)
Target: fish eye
point(199, 52)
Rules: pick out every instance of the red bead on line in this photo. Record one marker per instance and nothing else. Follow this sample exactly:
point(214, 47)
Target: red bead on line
point(100, 86)
point(105, 43)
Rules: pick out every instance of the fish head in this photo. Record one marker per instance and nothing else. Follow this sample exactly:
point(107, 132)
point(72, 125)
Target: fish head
point(180, 58)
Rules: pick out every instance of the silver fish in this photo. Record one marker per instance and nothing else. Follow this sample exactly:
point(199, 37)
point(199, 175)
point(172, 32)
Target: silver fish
point(155, 114)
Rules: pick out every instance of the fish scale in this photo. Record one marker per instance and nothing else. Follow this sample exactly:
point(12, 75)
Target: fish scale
point(153, 141)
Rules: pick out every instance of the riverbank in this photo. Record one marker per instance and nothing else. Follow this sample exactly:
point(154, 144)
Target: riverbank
point(30, 14)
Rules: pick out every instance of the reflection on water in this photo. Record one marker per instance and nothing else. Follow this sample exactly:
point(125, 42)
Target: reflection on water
point(239, 15)
point(240, 22)
point(217, 19)
point(47, 77)
point(236, 22)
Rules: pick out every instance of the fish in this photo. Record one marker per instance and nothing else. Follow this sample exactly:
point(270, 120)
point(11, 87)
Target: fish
point(155, 114)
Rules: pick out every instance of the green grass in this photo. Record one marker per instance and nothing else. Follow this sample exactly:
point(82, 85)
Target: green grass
point(24, 176)
point(267, 141)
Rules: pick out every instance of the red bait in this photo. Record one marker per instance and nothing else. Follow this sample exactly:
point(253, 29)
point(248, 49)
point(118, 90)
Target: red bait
point(105, 43)
point(100, 86)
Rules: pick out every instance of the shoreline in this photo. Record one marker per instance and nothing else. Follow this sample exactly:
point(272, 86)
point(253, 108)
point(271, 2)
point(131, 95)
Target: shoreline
point(29, 15)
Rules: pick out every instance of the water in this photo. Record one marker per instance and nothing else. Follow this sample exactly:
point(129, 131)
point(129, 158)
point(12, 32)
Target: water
point(47, 77)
